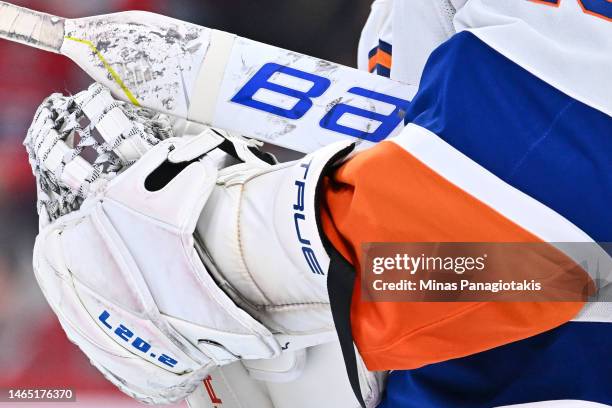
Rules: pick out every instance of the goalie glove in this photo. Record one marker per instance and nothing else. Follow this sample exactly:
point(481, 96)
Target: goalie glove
point(115, 254)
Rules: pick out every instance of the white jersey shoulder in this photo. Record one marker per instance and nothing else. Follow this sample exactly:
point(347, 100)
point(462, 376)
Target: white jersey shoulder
point(411, 30)
point(567, 43)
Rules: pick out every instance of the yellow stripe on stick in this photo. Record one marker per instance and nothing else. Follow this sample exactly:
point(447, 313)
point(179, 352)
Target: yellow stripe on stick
point(110, 69)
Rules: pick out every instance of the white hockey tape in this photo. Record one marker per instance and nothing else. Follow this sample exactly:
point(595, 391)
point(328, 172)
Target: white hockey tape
point(30, 27)
point(210, 77)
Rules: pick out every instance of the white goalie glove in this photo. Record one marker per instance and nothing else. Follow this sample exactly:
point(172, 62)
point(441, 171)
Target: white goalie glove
point(159, 266)
point(121, 271)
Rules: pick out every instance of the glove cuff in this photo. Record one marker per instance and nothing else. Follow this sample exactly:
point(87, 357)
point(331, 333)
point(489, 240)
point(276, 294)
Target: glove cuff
point(260, 233)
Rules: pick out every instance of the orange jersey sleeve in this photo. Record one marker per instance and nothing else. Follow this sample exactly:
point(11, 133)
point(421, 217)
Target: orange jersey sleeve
point(362, 203)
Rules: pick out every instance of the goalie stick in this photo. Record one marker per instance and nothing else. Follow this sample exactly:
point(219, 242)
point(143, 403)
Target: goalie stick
point(219, 79)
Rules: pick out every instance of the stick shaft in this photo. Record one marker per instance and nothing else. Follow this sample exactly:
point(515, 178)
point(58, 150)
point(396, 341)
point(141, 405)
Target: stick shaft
point(213, 78)
point(30, 27)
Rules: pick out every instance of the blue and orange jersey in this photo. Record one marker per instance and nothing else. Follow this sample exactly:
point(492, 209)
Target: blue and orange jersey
point(495, 150)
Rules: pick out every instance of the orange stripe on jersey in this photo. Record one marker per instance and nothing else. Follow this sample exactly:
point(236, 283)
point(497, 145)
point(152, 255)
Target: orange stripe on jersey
point(379, 58)
point(547, 2)
point(386, 194)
